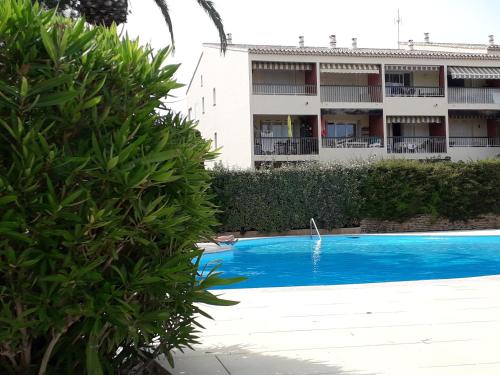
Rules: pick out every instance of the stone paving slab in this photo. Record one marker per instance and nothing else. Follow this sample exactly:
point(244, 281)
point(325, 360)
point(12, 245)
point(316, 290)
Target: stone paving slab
point(431, 327)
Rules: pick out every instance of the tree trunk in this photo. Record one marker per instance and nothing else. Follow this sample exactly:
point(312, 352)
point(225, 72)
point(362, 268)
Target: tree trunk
point(104, 12)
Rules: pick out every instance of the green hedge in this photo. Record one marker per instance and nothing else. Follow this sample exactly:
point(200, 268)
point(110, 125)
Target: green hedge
point(340, 196)
point(398, 190)
point(286, 198)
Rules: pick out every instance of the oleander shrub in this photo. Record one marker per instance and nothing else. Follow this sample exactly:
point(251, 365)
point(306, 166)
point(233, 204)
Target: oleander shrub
point(101, 201)
point(280, 199)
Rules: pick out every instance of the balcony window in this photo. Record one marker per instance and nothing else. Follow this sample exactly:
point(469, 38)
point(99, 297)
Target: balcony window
point(398, 79)
point(340, 130)
point(274, 129)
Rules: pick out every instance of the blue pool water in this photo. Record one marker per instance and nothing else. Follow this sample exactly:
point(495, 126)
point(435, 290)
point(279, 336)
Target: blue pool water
point(294, 261)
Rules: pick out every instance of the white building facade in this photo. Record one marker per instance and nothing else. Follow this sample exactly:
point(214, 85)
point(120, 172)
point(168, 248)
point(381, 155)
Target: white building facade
point(278, 104)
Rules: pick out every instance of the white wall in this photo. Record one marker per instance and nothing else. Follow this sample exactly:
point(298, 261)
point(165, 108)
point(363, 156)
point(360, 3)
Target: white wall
point(472, 153)
point(285, 104)
point(230, 118)
point(279, 77)
point(351, 154)
point(410, 106)
point(468, 127)
point(346, 79)
point(426, 79)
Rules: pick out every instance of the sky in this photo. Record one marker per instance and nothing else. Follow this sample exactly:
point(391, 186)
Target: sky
point(282, 21)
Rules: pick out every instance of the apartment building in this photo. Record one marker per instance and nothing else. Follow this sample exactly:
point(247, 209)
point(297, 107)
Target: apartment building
point(272, 104)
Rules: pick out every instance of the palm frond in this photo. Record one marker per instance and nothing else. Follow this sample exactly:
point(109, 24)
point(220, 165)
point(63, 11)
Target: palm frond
point(216, 19)
point(162, 4)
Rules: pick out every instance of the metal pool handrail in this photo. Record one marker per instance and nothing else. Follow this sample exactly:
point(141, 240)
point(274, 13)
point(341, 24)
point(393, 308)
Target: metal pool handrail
point(312, 224)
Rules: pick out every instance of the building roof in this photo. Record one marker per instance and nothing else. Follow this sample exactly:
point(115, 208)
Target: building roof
point(356, 52)
point(473, 46)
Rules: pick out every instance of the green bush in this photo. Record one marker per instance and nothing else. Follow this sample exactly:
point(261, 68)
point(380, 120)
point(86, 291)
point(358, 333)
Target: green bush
point(101, 201)
point(399, 190)
point(287, 198)
point(339, 196)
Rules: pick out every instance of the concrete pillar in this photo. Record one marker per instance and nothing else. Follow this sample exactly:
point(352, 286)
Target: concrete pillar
point(447, 127)
point(384, 115)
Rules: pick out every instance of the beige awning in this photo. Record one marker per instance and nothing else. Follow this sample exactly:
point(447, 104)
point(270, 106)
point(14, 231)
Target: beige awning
point(411, 68)
point(472, 116)
point(470, 72)
point(277, 65)
point(413, 119)
point(349, 68)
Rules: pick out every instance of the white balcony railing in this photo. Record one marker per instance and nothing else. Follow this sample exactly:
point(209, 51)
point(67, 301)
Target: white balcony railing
point(474, 95)
point(352, 142)
point(416, 145)
point(351, 94)
point(414, 91)
point(283, 89)
point(474, 141)
point(285, 146)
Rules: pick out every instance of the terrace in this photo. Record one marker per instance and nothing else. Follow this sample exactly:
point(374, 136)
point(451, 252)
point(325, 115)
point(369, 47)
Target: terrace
point(416, 135)
point(350, 83)
point(474, 134)
point(473, 85)
point(352, 129)
point(273, 135)
point(414, 81)
point(283, 78)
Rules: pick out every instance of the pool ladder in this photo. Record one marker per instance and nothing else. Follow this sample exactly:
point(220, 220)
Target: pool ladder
point(312, 224)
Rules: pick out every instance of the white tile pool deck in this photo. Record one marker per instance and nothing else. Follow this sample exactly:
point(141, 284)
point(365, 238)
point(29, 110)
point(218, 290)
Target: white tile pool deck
point(431, 327)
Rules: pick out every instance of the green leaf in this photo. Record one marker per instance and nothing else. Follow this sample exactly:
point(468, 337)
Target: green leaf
point(210, 299)
point(160, 156)
point(214, 280)
point(71, 197)
point(55, 278)
point(24, 88)
point(50, 83)
point(58, 98)
point(7, 199)
point(91, 103)
point(93, 362)
point(112, 162)
point(49, 44)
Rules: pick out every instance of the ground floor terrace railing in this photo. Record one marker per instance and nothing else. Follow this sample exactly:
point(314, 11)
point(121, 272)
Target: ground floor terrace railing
point(474, 95)
point(352, 142)
point(416, 145)
point(418, 91)
point(351, 94)
point(474, 141)
point(284, 89)
point(286, 146)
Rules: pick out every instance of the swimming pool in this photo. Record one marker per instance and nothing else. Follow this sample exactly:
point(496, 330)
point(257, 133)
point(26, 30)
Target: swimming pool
point(301, 261)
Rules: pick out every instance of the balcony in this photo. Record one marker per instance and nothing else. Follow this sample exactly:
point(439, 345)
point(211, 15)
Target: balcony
point(414, 91)
point(351, 94)
point(416, 145)
point(284, 89)
point(474, 141)
point(480, 95)
point(286, 146)
point(352, 142)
